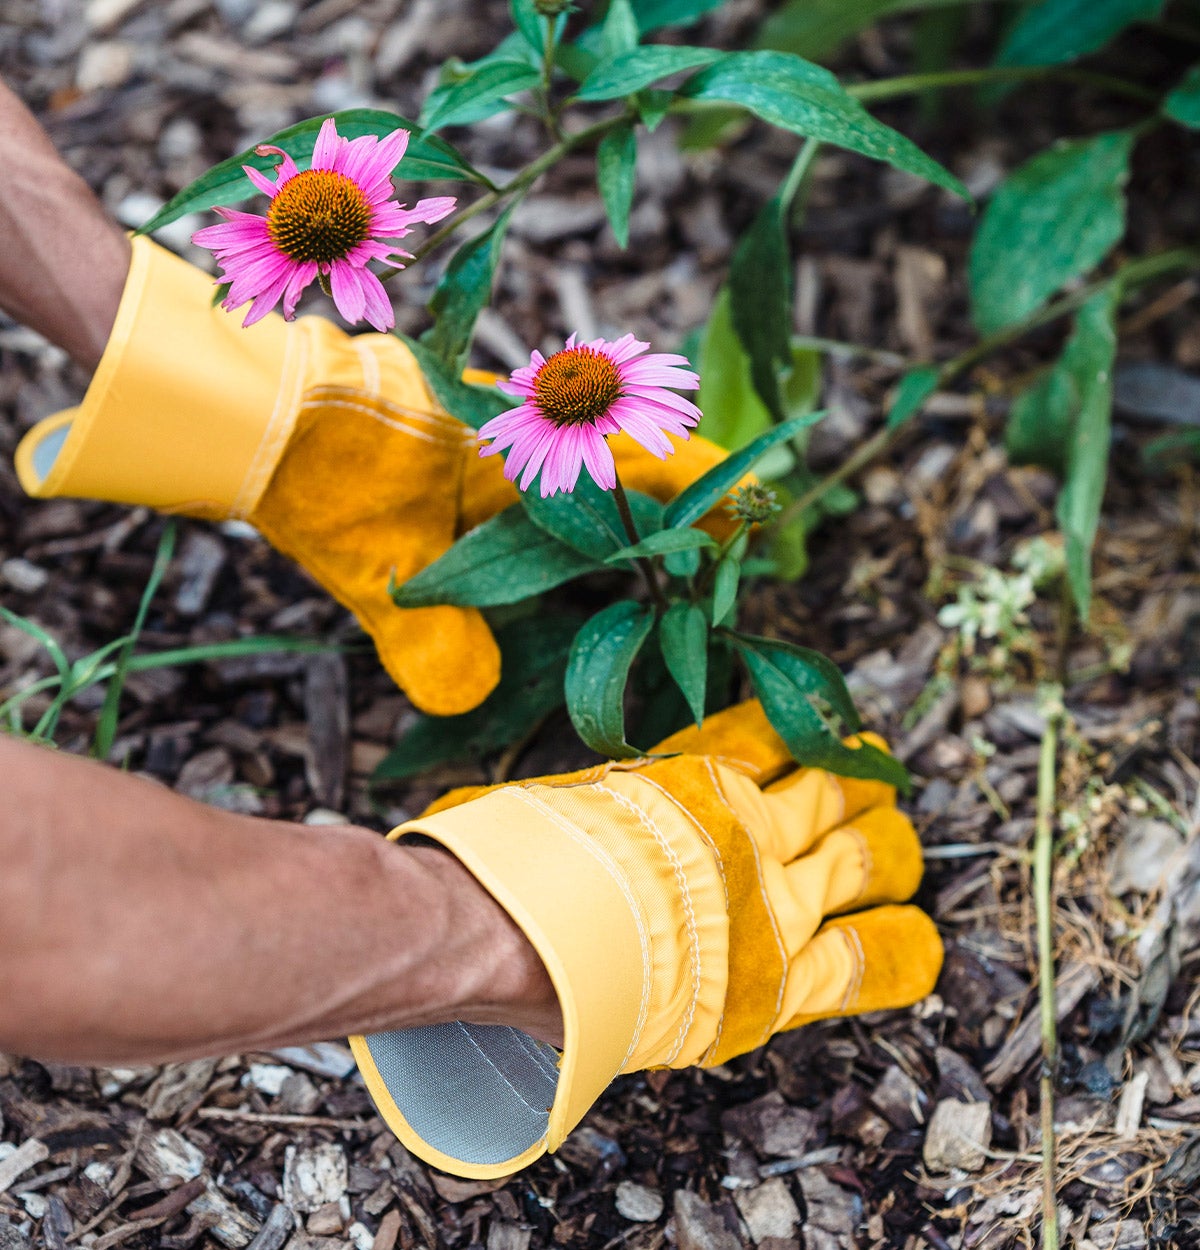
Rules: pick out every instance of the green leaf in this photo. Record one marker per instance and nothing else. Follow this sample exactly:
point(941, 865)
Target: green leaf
point(616, 171)
point(504, 560)
point(798, 96)
point(725, 588)
point(1179, 447)
point(1088, 360)
point(683, 563)
point(533, 653)
point(1183, 104)
point(652, 106)
point(427, 158)
point(460, 101)
point(786, 679)
point(693, 502)
point(586, 519)
point(760, 299)
point(1056, 31)
point(655, 14)
point(472, 405)
point(815, 28)
point(915, 388)
point(683, 636)
point(528, 21)
point(733, 411)
point(664, 543)
point(1039, 423)
point(620, 32)
point(463, 291)
point(597, 672)
point(638, 68)
point(1054, 218)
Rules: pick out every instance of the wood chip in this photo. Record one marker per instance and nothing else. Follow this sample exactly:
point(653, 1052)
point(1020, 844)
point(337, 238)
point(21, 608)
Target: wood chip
point(28, 1155)
point(958, 1136)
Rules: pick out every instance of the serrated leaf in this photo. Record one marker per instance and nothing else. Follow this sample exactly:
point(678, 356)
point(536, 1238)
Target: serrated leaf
point(428, 158)
point(664, 543)
point(490, 84)
point(725, 588)
point(472, 405)
point(1054, 218)
point(463, 291)
point(1183, 103)
point(1056, 31)
point(534, 654)
point(586, 519)
point(786, 681)
point(683, 636)
point(639, 67)
point(693, 502)
point(915, 388)
point(597, 672)
point(655, 14)
point(616, 172)
point(792, 93)
point(504, 560)
point(1088, 360)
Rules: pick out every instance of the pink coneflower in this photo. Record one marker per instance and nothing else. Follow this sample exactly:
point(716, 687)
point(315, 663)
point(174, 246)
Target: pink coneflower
point(326, 222)
point(578, 397)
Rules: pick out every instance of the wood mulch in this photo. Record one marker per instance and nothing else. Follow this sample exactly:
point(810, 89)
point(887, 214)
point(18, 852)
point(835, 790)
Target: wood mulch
point(859, 1133)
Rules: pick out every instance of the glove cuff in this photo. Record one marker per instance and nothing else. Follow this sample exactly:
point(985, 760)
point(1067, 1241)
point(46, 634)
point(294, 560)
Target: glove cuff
point(184, 408)
point(594, 879)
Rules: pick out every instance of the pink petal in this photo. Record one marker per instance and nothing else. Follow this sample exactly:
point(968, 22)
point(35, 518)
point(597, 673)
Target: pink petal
point(302, 275)
point(348, 294)
point(646, 373)
point(260, 180)
point(286, 169)
point(598, 458)
point(325, 150)
point(379, 310)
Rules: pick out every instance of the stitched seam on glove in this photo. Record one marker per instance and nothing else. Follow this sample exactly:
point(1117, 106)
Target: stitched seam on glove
point(769, 1026)
point(646, 821)
point(868, 862)
point(614, 870)
point(488, 1060)
point(369, 362)
point(333, 398)
point(278, 429)
point(860, 958)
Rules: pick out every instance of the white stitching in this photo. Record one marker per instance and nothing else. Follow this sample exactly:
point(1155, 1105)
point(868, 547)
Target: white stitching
point(868, 859)
point(488, 1060)
point(854, 989)
point(720, 863)
point(606, 861)
point(690, 911)
point(534, 1051)
point(277, 430)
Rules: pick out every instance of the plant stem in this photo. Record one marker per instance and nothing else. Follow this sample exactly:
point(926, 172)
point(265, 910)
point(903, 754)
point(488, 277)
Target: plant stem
point(644, 566)
point(912, 84)
point(1043, 876)
point(519, 182)
point(547, 77)
point(795, 175)
point(1130, 276)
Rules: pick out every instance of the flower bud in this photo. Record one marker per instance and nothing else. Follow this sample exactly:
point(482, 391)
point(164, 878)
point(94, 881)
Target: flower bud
point(754, 504)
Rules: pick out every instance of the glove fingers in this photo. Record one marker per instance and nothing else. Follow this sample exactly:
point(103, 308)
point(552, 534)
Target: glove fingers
point(872, 960)
point(740, 738)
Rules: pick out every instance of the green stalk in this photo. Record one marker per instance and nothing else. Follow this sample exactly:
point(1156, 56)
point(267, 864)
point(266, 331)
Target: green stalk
point(519, 182)
point(1130, 276)
point(547, 78)
point(645, 567)
point(1043, 876)
point(914, 84)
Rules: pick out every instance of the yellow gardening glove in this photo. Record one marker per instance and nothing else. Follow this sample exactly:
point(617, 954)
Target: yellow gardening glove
point(686, 909)
point(331, 446)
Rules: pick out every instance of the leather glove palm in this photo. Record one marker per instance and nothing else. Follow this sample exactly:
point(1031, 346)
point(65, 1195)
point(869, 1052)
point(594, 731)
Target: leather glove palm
point(686, 909)
point(332, 446)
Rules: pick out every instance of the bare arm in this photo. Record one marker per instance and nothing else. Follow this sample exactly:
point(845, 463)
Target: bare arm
point(63, 261)
point(136, 925)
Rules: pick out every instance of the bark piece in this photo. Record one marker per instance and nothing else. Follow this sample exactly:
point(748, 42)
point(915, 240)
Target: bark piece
point(958, 1136)
point(699, 1226)
point(28, 1155)
point(314, 1176)
point(768, 1209)
point(638, 1203)
point(772, 1126)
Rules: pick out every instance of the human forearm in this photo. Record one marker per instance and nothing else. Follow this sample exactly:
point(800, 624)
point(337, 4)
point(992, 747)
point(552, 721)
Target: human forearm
point(136, 925)
point(62, 259)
